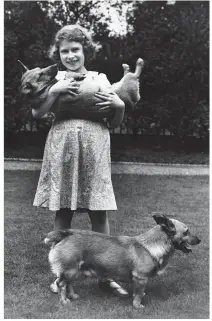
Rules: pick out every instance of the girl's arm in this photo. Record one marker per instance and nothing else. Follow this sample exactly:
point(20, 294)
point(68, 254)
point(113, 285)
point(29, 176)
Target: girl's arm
point(45, 105)
point(110, 100)
point(119, 114)
point(62, 86)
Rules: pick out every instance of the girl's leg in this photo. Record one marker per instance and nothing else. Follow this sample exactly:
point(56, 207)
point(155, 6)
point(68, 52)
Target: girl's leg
point(100, 223)
point(63, 219)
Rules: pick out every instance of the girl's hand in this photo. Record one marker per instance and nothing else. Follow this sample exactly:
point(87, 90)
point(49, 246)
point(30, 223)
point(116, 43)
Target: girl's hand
point(110, 101)
point(65, 86)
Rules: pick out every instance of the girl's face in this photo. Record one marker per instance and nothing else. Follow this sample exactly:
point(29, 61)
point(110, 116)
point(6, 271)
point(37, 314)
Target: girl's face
point(72, 55)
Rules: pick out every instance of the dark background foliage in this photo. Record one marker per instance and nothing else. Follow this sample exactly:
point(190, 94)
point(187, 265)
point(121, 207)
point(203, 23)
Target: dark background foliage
point(172, 39)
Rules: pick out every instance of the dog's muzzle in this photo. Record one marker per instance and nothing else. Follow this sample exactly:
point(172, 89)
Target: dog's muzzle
point(185, 246)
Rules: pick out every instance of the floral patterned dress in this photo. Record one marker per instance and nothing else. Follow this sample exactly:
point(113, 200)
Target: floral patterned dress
point(76, 168)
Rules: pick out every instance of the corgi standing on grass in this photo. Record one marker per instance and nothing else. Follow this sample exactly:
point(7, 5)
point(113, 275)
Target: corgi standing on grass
point(76, 168)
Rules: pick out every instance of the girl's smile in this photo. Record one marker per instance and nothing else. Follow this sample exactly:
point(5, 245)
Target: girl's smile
point(72, 55)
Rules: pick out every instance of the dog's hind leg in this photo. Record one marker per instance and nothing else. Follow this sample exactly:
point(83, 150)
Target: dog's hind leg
point(139, 285)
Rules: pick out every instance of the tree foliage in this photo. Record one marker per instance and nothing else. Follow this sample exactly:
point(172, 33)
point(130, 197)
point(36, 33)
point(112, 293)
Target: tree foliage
point(28, 33)
point(172, 39)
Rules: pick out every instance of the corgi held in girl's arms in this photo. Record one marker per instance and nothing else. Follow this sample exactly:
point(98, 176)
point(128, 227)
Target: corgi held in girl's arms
point(36, 83)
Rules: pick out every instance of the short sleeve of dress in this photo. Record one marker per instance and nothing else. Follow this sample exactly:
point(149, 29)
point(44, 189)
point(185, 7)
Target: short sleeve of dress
point(60, 75)
point(104, 83)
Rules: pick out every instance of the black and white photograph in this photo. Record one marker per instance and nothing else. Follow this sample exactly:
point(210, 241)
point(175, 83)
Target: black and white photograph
point(106, 159)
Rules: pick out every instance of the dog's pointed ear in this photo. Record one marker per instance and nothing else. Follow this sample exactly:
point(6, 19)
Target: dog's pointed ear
point(25, 68)
point(166, 224)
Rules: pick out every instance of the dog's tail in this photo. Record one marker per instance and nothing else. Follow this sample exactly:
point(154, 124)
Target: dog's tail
point(55, 237)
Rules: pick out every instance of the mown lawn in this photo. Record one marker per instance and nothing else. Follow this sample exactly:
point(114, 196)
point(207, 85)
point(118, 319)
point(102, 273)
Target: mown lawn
point(181, 292)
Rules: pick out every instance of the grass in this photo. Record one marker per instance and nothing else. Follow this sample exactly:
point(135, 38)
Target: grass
point(123, 148)
point(182, 292)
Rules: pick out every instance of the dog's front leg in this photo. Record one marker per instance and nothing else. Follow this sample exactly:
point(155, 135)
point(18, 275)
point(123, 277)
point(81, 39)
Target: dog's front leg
point(63, 293)
point(139, 285)
point(71, 294)
point(70, 274)
point(66, 288)
point(67, 293)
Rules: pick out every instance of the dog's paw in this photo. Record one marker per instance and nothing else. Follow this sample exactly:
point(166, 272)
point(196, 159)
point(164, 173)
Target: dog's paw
point(74, 296)
point(65, 301)
point(137, 304)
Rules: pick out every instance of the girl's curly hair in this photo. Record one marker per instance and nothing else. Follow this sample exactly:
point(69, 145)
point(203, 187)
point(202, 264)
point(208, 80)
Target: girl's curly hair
point(72, 33)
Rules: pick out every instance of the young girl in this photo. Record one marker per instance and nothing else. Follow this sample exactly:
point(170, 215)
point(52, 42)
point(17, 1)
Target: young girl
point(76, 169)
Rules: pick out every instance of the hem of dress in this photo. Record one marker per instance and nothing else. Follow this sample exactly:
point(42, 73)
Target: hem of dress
point(75, 209)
